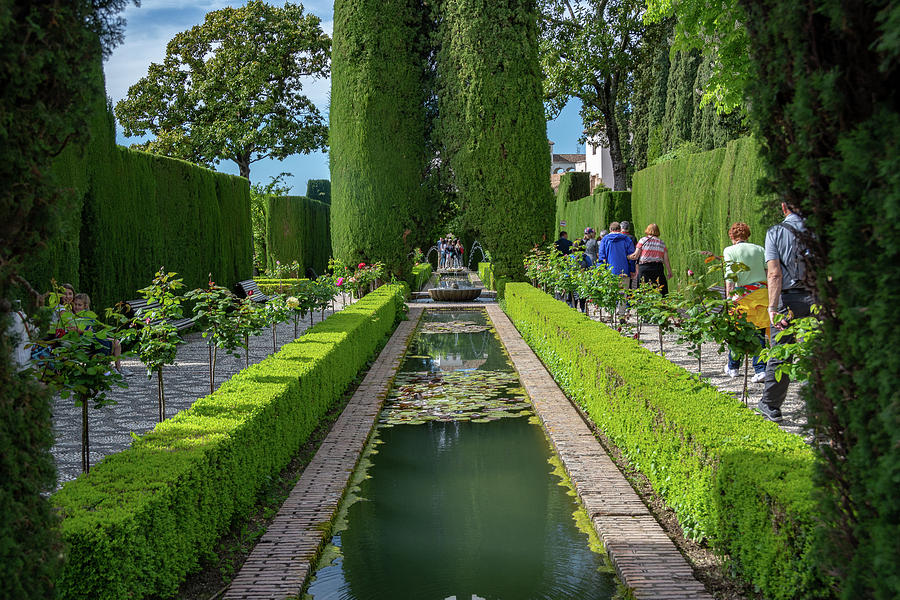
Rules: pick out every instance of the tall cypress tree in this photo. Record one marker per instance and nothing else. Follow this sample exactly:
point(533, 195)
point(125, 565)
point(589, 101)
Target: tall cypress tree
point(492, 125)
point(377, 131)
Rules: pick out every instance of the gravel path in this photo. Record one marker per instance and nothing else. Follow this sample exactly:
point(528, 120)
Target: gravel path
point(136, 409)
point(794, 410)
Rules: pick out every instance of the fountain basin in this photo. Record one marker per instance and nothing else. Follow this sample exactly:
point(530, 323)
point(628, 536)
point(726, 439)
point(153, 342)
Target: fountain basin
point(462, 294)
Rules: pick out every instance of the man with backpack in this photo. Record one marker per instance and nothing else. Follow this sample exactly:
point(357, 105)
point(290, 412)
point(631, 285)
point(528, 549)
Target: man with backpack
point(790, 297)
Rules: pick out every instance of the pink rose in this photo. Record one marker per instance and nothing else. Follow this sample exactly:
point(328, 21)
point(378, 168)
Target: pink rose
point(250, 293)
point(360, 265)
point(340, 280)
point(147, 320)
point(690, 273)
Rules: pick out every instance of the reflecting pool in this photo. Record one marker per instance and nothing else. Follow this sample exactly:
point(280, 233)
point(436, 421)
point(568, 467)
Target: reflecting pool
point(458, 496)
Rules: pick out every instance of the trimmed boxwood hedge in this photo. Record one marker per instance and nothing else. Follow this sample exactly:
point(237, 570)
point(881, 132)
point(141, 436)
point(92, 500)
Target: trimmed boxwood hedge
point(298, 228)
point(490, 280)
point(730, 476)
point(420, 275)
point(142, 519)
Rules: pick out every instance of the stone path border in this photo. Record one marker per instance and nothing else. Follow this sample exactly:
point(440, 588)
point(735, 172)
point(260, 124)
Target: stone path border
point(282, 560)
point(646, 559)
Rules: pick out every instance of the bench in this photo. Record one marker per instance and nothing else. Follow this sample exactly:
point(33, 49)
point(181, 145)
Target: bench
point(135, 308)
point(244, 288)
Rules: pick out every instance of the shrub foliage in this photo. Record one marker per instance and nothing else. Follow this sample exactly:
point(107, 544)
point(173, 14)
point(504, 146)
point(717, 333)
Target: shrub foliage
point(377, 133)
point(730, 476)
point(696, 198)
point(492, 129)
point(823, 100)
point(597, 210)
point(144, 517)
point(298, 229)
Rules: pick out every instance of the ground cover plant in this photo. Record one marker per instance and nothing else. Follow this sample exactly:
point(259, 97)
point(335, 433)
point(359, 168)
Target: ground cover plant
point(143, 518)
point(731, 477)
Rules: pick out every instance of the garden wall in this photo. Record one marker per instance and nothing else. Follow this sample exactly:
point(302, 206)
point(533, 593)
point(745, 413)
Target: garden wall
point(731, 477)
point(298, 229)
point(143, 518)
point(130, 213)
point(695, 199)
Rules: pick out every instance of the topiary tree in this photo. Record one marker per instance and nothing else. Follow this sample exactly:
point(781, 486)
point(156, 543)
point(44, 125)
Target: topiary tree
point(491, 128)
point(377, 133)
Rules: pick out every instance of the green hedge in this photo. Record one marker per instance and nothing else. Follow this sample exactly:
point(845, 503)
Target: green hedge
point(319, 189)
point(490, 280)
point(143, 518)
point(421, 274)
point(695, 199)
point(573, 185)
point(377, 133)
point(277, 286)
point(132, 212)
point(597, 210)
point(298, 228)
point(730, 476)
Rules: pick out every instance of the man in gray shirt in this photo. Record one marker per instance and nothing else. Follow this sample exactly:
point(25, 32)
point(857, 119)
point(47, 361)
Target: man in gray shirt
point(591, 248)
point(789, 297)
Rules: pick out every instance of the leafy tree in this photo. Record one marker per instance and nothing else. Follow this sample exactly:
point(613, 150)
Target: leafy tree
point(211, 308)
point(588, 51)
point(716, 28)
point(48, 84)
point(230, 89)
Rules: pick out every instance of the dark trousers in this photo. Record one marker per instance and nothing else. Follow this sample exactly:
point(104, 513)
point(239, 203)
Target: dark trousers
point(798, 302)
point(655, 273)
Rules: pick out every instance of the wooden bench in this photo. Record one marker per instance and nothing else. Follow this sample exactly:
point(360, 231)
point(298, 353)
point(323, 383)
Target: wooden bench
point(135, 308)
point(244, 288)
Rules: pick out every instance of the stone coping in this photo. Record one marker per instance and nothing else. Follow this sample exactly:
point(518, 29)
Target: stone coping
point(648, 562)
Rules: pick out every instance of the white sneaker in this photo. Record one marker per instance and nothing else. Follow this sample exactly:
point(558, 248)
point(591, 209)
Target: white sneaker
point(730, 372)
point(758, 378)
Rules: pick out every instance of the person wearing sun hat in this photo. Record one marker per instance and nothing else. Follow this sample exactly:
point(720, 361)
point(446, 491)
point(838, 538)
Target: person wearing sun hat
point(591, 247)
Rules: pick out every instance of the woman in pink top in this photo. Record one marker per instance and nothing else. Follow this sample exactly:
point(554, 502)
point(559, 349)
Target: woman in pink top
point(652, 254)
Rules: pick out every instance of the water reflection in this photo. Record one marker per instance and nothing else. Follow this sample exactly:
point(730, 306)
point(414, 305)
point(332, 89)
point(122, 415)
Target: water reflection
point(462, 510)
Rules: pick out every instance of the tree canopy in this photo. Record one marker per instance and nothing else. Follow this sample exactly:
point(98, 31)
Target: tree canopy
point(588, 52)
point(231, 88)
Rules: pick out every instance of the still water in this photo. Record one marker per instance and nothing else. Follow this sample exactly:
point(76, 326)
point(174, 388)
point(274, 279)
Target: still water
point(457, 497)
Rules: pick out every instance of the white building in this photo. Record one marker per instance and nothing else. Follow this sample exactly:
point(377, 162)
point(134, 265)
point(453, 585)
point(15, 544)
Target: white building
point(595, 160)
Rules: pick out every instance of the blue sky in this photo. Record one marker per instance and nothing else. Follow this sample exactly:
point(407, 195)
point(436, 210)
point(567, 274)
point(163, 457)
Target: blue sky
point(155, 22)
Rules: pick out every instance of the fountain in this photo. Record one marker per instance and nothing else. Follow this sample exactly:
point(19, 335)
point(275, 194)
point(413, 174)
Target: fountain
point(428, 254)
point(476, 245)
point(454, 289)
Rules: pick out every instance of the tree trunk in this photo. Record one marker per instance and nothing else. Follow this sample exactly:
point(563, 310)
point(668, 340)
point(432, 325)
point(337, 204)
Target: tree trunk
point(161, 395)
point(659, 331)
point(746, 375)
point(85, 441)
point(212, 369)
point(606, 104)
point(274, 338)
point(243, 166)
point(247, 351)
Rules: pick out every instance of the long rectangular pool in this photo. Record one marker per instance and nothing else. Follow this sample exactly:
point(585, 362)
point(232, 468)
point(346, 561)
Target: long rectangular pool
point(459, 494)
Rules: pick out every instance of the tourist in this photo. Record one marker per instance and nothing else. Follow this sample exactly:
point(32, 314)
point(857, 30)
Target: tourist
point(563, 245)
point(591, 246)
point(111, 346)
point(652, 258)
point(746, 287)
point(20, 331)
point(614, 251)
point(442, 253)
point(626, 230)
point(790, 297)
point(460, 251)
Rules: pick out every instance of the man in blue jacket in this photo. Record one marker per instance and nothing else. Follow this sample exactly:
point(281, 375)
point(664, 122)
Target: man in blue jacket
point(614, 250)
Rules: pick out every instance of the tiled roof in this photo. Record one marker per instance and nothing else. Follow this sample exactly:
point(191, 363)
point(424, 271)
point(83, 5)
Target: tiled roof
point(572, 158)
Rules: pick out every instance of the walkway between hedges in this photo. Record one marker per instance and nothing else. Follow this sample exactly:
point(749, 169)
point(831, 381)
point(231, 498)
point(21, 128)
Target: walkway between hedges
point(136, 406)
point(647, 561)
